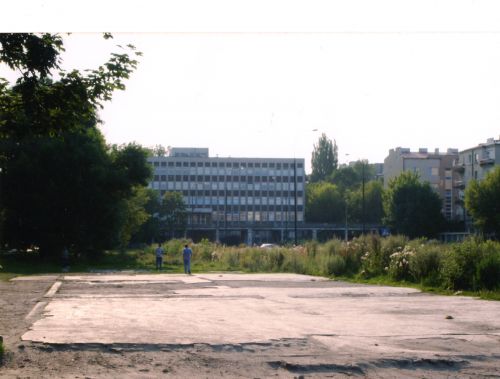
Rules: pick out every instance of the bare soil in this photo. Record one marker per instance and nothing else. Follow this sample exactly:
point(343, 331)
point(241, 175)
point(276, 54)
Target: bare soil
point(288, 358)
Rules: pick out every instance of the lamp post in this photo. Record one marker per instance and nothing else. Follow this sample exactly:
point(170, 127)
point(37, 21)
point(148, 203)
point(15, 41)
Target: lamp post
point(295, 196)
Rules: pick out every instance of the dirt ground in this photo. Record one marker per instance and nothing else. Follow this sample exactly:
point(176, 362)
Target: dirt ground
point(451, 355)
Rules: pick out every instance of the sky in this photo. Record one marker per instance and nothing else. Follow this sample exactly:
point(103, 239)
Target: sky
point(265, 80)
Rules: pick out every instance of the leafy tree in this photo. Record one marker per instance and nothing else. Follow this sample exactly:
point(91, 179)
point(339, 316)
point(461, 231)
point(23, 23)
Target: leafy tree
point(482, 201)
point(411, 207)
point(324, 203)
point(173, 215)
point(374, 210)
point(149, 231)
point(324, 159)
point(71, 192)
point(61, 185)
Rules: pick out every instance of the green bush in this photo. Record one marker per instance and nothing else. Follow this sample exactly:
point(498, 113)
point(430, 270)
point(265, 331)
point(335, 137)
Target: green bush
point(470, 265)
point(377, 257)
point(399, 264)
point(334, 265)
point(425, 264)
point(488, 271)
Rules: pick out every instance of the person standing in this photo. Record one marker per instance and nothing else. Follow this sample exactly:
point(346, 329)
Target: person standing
point(159, 256)
point(187, 253)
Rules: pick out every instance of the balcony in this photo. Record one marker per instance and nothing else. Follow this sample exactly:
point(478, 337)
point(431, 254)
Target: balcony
point(486, 161)
point(459, 184)
point(460, 168)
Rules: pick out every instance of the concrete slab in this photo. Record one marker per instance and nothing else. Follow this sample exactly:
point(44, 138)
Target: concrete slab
point(246, 314)
point(261, 277)
point(139, 278)
point(40, 278)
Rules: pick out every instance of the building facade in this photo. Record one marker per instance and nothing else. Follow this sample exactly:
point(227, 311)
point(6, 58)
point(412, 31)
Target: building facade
point(474, 164)
point(233, 195)
point(433, 167)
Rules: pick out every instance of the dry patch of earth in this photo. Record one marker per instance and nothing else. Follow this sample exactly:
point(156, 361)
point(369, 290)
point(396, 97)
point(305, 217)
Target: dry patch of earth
point(240, 326)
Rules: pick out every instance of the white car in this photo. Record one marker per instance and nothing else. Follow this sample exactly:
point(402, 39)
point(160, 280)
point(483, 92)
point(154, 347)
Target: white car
point(268, 246)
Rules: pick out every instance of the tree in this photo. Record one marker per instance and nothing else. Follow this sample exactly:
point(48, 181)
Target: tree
point(412, 208)
point(173, 214)
point(61, 185)
point(71, 192)
point(149, 231)
point(324, 159)
point(374, 210)
point(482, 201)
point(324, 203)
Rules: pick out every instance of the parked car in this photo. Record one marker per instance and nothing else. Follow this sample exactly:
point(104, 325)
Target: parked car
point(268, 246)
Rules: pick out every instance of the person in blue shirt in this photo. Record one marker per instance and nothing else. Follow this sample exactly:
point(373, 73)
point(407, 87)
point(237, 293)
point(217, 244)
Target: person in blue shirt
point(187, 253)
point(159, 256)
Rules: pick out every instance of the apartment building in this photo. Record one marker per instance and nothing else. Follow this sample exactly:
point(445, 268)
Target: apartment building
point(434, 167)
point(233, 194)
point(474, 163)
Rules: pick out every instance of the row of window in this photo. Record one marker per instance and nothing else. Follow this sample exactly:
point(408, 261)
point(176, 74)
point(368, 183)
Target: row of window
point(226, 179)
point(245, 216)
point(248, 208)
point(240, 165)
point(240, 193)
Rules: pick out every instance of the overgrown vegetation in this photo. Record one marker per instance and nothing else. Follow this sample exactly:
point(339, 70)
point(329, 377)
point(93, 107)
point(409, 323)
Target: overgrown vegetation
point(473, 265)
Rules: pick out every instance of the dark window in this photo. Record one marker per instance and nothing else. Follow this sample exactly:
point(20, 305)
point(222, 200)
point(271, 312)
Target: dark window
point(300, 179)
point(221, 178)
point(163, 164)
point(192, 164)
point(192, 178)
point(170, 164)
point(178, 178)
point(300, 208)
point(163, 177)
point(243, 164)
point(228, 164)
point(221, 164)
point(278, 179)
point(178, 164)
point(214, 164)
point(300, 165)
point(156, 178)
point(278, 166)
point(185, 164)
point(236, 178)
point(207, 178)
point(236, 165)
point(170, 178)
point(243, 179)
point(199, 178)
point(200, 164)
point(207, 192)
point(286, 166)
point(257, 165)
point(185, 178)
point(221, 193)
point(264, 165)
point(265, 179)
point(162, 192)
point(256, 193)
point(185, 193)
point(300, 193)
point(250, 164)
point(156, 164)
point(207, 164)
point(250, 179)
point(257, 179)
point(271, 165)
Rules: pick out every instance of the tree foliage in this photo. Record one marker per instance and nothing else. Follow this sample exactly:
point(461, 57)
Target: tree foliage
point(373, 205)
point(61, 184)
point(482, 201)
point(324, 203)
point(173, 215)
point(411, 207)
point(324, 159)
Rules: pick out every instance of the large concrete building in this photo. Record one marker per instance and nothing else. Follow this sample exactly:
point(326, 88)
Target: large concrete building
point(434, 167)
point(250, 199)
point(474, 163)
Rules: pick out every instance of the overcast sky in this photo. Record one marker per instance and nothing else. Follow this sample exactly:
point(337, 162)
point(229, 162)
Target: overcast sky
point(267, 79)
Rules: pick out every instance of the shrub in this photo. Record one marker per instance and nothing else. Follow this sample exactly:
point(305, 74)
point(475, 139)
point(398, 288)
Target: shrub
point(334, 265)
point(377, 257)
point(488, 271)
point(399, 264)
point(425, 264)
point(460, 269)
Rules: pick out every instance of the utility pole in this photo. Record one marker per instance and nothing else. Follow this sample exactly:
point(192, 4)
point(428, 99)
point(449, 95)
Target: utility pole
point(363, 194)
point(295, 195)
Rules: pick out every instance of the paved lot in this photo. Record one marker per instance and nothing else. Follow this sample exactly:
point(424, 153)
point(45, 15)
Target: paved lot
point(292, 323)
